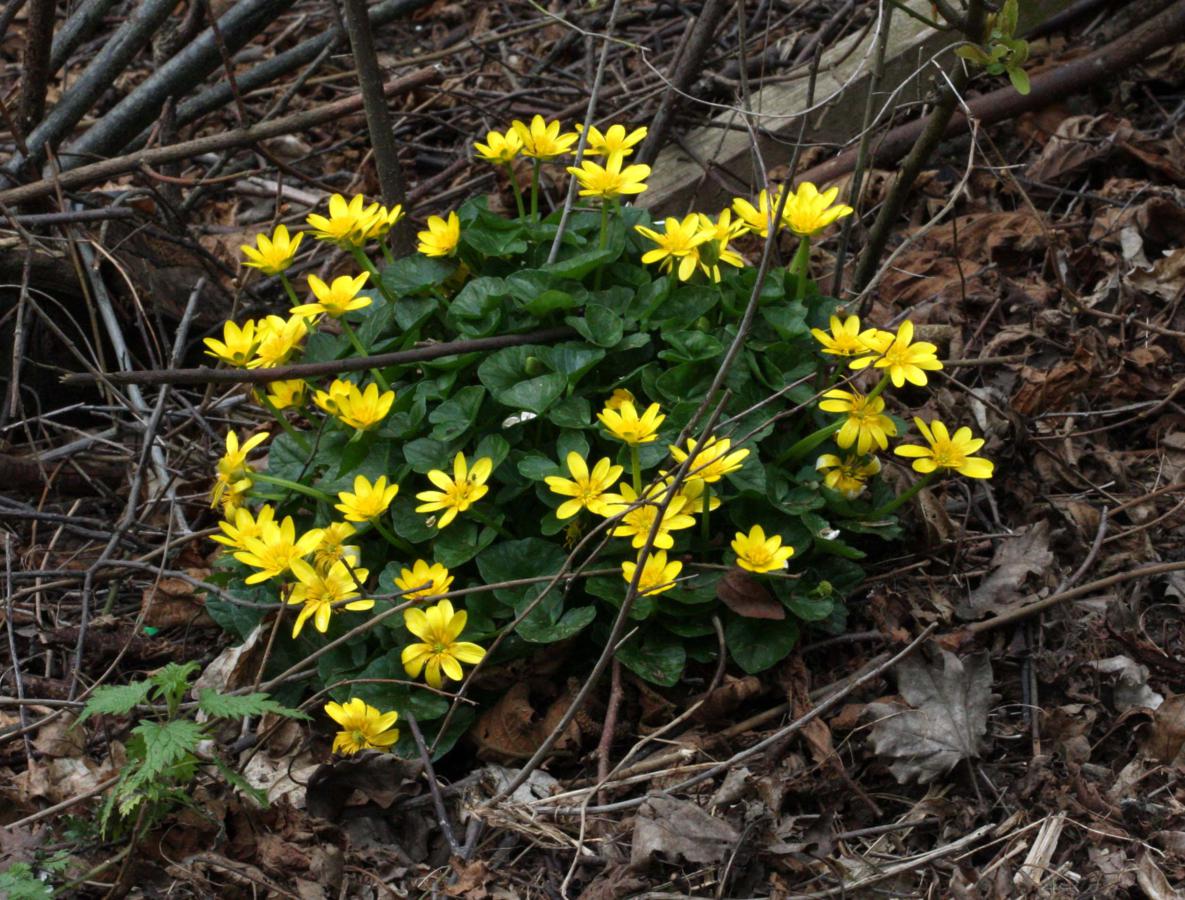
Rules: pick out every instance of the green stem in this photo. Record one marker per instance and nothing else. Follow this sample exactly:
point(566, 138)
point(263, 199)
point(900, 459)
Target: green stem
point(636, 469)
point(297, 437)
point(535, 190)
point(604, 241)
point(391, 538)
point(376, 279)
point(809, 443)
point(880, 387)
point(293, 486)
point(518, 192)
point(387, 255)
point(801, 266)
point(705, 530)
point(349, 332)
point(907, 496)
point(290, 289)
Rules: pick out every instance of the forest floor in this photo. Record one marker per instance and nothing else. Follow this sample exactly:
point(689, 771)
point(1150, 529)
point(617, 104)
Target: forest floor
point(1040, 744)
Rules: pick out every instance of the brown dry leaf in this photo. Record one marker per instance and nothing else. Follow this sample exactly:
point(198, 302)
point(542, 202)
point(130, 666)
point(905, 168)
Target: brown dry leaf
point(471, 880)
point(1164, 278)
point(1078, 141)
point(613, 884)
point(948, 720)
point(795, 681)
point(679, 831)
point(746, 597)
point(1068, 728)
point(60, 738)
point(724, 700)
point(1016, 558)
point(234, 667)
point(1055, 388)
point(1167, 735)
point(368, 777)
point(172, 603)
point(1152, 880)
point(1131, 689)
point(514, 729)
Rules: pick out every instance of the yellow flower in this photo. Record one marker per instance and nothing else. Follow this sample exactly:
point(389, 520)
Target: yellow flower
point(275, 254)
point(658, 575)
point(438, 627)
point(610, 180)
point(757, 553)
point(618, 397)
point(287, 394)
point(680, 241)
point(757, 219)
point(232, 468)
point(276, 548)
point(846, 338)
point(715, 460)
point(808, 212)
point(866, 422)
point(368, 501)
point(542, 140)
point(947, 451)
point(499, 147)
point(693, 491)
point(625, 424)
point(636, 523)
point(586, 488)
point(384, 221)
point(321, 591)
point(333, 545)
point(347, 224)
point(715, 251)
point(432, 580)
point(458, 493)
point(235, 498)
point(357, 409)
point(237, 345)
point(278, 339)
point(848, 475)
point(442, 236)
point(905, 360)
point(336, 300)
point(363, 727)
point(242, 525)
point(614, 141)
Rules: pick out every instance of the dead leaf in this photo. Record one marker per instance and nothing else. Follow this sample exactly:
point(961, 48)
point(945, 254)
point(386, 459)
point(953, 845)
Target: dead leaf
point(368, 777)
point(1152, 881)
point(746, 597)
point(947, 722)
point(1167, 735)
point(1016, 558)
point(725, 699)
point(678, 831)
point(471, 880)
point(1131, 687)
point(60, 739)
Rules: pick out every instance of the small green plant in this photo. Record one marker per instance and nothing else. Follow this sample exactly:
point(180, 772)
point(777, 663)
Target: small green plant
point(163, 756)
point(25, 881)
point(1004, 53)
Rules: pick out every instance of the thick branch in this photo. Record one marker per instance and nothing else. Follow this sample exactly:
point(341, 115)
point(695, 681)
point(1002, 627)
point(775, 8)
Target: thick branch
point(35, 60)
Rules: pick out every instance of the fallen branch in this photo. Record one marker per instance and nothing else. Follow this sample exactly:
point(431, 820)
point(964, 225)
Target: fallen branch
point(240, 137)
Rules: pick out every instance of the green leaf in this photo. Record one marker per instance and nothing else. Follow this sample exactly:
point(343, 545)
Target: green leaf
point(505, 373)
point(974, 54)
point(376, 323)
point(116, 700)
point(787, 320)
point(493, 446)
point(476, 311)
point(538, 628)
point(690, 346)
point(574, 360)
point(571, 412)
point(757, 644)
point(457, 415)
point(462, 541)
point(19, 882)
point(426, 454)
point(526, 558)
point(580, 264)
point(656, 655)
point(491, 235)
point(411, 312)
point(1020, 80)
point(535, 466)
point(228, 706)
point(173, 680)
point(285, 459)
point(599, 325)
point(416, 273)
point(410, 525)
point(165, 744)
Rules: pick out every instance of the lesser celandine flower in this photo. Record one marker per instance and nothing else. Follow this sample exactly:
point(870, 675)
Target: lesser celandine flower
point(542, 140)
point(237, 345)
point(278, 339)
point(848, 474)
point(363, 727)
point(232, 467)
point(625, 424)
point(337, 299)
point(276, 548)
point(333, 545)
point(384, 220)
point(360, 410)
point(243, 524)
point(618, 397)
point(846, 338)
point(807, 212)
point(758, 553)
point(904, 359)
point(694, 491)
point(640, 515)
point(715, 251)
point(274, 254)
point(866, 424)
point(438, 627)
point(712, 461)
point(459, 492)
point(947, 451)
point(287, 394)
point(431, 580)
point(322, 591)
point(610, 180)
point(235, 498)
point(613, 141)
point(657, 576)
point(757, 218)
point(347, 223)
point(500, 148)
point(367, 501)
point(587, 489)
point(679, 240)
point(441, 237)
